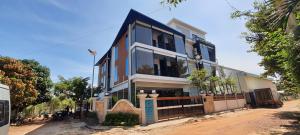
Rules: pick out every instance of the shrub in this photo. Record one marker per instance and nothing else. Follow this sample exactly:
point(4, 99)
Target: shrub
point(121, 119)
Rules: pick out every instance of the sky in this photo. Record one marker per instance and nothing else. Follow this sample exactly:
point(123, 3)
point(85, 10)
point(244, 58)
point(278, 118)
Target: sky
point(57, 33)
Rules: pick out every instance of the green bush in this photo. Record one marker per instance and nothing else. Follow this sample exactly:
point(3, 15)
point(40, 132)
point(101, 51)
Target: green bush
point(121, 119)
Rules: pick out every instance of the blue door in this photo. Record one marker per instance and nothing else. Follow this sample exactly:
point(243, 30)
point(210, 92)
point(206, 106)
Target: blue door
point(149, 111)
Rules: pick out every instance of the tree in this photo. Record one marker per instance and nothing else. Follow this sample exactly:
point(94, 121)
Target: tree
point(198, 79)
point(21, 81)
point(214, 83)
point(284, 13)
point(64, 86)
point(279, 48)
point(43, 81)
point(74, 88)
point(171, 3)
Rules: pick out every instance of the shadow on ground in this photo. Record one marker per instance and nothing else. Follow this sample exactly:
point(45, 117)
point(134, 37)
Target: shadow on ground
point(293, 128)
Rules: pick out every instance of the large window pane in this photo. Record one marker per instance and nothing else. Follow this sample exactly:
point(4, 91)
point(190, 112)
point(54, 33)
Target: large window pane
point(169, 41)
point(158, 39)
point(1, 112)
point(204, 52)
point(116, 52)
point(179, 44)
point(144, 61)
point(116, 74)
point(126, 66)
point(165, 66)
point(208, 68)
point(182, 66)
point(133, 62)
point(143, 35)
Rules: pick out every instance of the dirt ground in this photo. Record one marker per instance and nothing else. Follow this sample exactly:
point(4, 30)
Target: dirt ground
point(283, 120)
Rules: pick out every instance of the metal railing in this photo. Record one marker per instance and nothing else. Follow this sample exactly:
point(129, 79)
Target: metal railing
point(176, 107)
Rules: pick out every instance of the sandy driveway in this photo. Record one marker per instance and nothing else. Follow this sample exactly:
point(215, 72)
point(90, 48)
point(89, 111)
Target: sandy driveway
point(251, 122)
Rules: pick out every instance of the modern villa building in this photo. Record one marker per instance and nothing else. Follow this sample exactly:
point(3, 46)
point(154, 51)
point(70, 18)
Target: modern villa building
point(148, 55)
point(151, 57)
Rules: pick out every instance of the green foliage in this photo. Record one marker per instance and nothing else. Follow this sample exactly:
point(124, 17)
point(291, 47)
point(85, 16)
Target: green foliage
point(58, 103)
point(171, 3)
point(271, 39)
point(21, 80)
point(198, 79)
point(121, 119)
point(43, 81)
point(35, 110)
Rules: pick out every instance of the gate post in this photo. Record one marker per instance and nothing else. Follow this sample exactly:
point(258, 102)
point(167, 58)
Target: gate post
point(154, 96)
point(106, 104)
point(142, 98)
point(209, 106)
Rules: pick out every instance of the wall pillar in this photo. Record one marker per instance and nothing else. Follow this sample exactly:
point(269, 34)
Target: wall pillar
point(142, 98)
point(155, 111)
point(209, 104)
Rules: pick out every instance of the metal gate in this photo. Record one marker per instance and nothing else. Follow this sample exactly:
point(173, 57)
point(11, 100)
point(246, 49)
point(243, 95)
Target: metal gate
point(149, 111)
point(177, 107)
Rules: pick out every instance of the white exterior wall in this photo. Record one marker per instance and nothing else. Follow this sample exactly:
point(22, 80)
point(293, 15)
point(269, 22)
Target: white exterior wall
point(4, 95)
point(259, 83)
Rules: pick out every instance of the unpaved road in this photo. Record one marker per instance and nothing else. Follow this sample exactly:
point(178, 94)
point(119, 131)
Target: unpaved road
point(255, 121)
point(284, 120)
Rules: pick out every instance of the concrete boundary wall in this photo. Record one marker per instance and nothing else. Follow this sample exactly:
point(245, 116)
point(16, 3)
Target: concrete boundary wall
point(126, 106)
point(224, 105)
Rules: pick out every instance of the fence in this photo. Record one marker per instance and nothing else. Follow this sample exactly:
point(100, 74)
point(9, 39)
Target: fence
point(176, 107)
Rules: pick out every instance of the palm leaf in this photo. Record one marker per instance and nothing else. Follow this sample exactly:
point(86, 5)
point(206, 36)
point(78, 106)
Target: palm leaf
point(282, 11)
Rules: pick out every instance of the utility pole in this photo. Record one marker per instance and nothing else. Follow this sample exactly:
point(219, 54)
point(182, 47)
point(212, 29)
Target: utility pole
point(92, 88)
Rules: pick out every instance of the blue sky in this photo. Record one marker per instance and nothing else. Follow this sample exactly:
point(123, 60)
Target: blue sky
point(57, 33)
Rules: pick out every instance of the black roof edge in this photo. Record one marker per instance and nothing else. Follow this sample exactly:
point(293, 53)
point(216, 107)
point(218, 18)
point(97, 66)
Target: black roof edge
point(131, 17)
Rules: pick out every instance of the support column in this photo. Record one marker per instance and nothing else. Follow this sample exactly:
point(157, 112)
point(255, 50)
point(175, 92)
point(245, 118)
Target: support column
point(142, 98)
point(106, 105)
point(155, 111)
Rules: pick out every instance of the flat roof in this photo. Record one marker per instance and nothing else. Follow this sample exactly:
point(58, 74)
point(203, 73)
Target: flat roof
point(177, 21)
point(247, 73)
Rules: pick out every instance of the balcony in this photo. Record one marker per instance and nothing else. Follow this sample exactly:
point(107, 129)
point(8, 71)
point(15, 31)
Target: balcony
point(146, 61)
point(158, 38)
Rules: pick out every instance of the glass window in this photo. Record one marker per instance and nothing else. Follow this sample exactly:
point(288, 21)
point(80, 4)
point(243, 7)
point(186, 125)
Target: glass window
point(211, 53)
point(143, 34)
point(182, 66)
point(204, 52)
point(165, 66)
point(116, 74)
point(103, 68)
point(133, 62)
point(158, 39)
point(1, 112)
point(126, 67)
point(6, 109)
point(116, 52)
point(169, 42)
point(133, 35)
point(179, 44)
point(144, 61)
point(208, 68)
